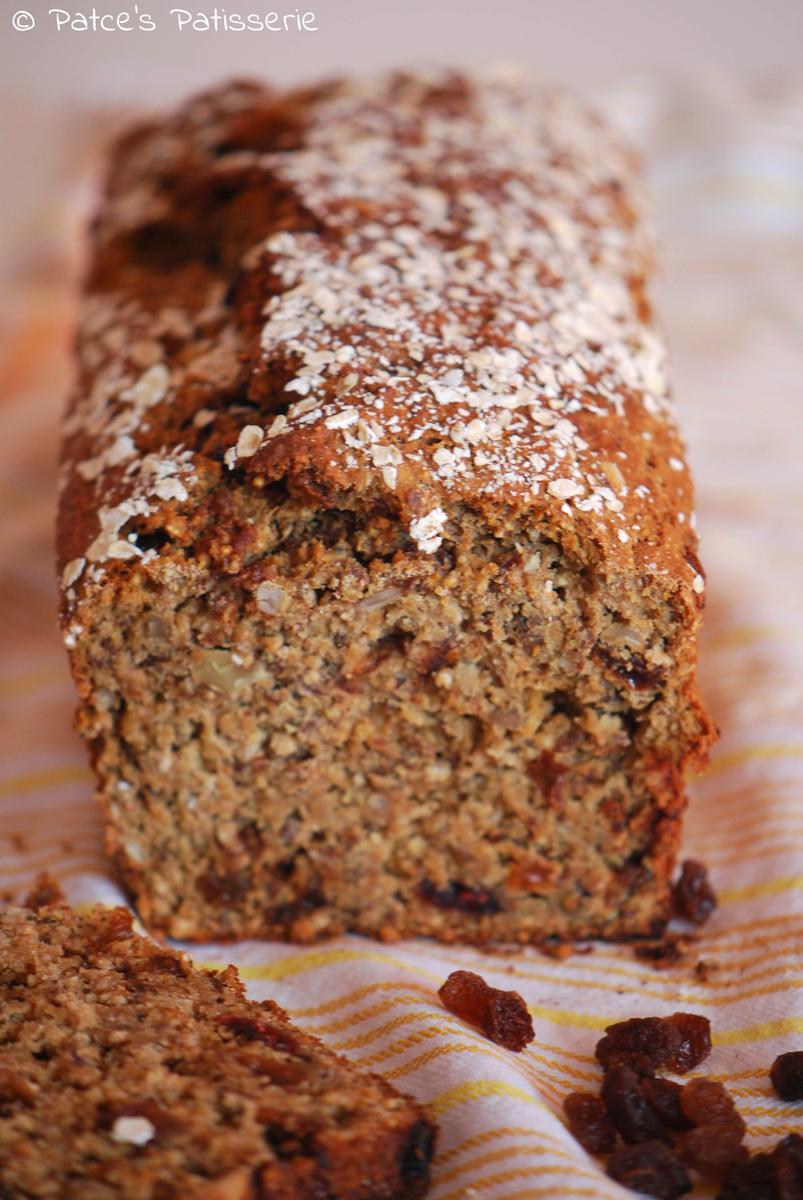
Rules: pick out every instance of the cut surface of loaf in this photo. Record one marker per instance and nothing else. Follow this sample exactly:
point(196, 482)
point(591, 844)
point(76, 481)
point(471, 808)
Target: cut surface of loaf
point(125, 1074)
point(376, 539)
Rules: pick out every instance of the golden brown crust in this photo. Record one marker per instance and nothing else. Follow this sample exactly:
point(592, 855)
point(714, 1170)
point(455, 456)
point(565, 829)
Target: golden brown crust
point(499, 347)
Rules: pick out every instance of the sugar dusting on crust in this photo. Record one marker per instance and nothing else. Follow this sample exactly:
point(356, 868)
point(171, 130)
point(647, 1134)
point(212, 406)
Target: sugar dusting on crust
point(462, 318)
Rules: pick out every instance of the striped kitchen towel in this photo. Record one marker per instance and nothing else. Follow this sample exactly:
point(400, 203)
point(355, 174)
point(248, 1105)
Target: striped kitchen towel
point(727, 173)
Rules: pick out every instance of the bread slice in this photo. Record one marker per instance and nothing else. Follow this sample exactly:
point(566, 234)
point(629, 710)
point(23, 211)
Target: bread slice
point(125, 1074)
point(379, 571)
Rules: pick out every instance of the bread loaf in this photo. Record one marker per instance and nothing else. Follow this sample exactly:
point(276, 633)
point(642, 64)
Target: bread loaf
point(376, 540)
point(127, 1075)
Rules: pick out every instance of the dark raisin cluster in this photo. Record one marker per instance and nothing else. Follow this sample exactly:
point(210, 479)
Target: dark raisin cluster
point(502, 1016)
point(648, 1125)
point(658, 1133)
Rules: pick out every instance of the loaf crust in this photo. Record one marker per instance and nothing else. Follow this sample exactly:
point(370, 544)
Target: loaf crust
point(125, 1074)
point(376, 541)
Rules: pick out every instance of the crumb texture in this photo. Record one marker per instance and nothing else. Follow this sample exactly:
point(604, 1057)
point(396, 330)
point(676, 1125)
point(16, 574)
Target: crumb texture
point(125, 1074)
point(378, 564)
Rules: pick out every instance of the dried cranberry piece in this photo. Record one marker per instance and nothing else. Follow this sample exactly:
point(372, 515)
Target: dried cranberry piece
point(706, 1102)
point(507, 1021)
point(786, 1074)
point(630, 1042)
point(693, 898)
point(750, 1180)
point(787, 1166)
point(502, 1016)
point(628, 1107)
point(466, 995)
point(695, 1041)
point(651, 1168)
point(663, 1097)
point(246, 1029)
point(589, 1122)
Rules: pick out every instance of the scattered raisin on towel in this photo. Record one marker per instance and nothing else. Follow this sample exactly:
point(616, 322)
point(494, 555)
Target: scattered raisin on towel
point(786, 1074)
point(660, 1134)
point(502, 1016)
point(693, 897)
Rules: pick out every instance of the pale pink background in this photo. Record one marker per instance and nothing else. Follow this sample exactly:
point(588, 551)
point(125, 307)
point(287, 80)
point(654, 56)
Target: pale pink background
point(46, 78)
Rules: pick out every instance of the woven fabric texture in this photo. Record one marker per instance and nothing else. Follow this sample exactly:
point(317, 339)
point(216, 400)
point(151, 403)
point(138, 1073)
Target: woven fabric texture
point(726, 170)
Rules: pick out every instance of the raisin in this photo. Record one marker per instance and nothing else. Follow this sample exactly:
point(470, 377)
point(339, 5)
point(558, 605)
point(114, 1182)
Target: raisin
point(629, 1042)
point(692, 895)
point(589, 1122)
point(651, 1168)
point(787, 1167)
point(750, 1180)
point(416, 1154)
point(227, 887)
point(507, 1021)
point(308, 902)
point(167, 964)
point(786, 1074)
point(287, 1144)
point(711, 1149)
point(695, 1041)
point(636, 673)
point(457, 896)
point(706, 1102)
point(663, 1097)
point(246, 1029)
point(502, 1016)
point(466, 995)
point(628, 1107)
